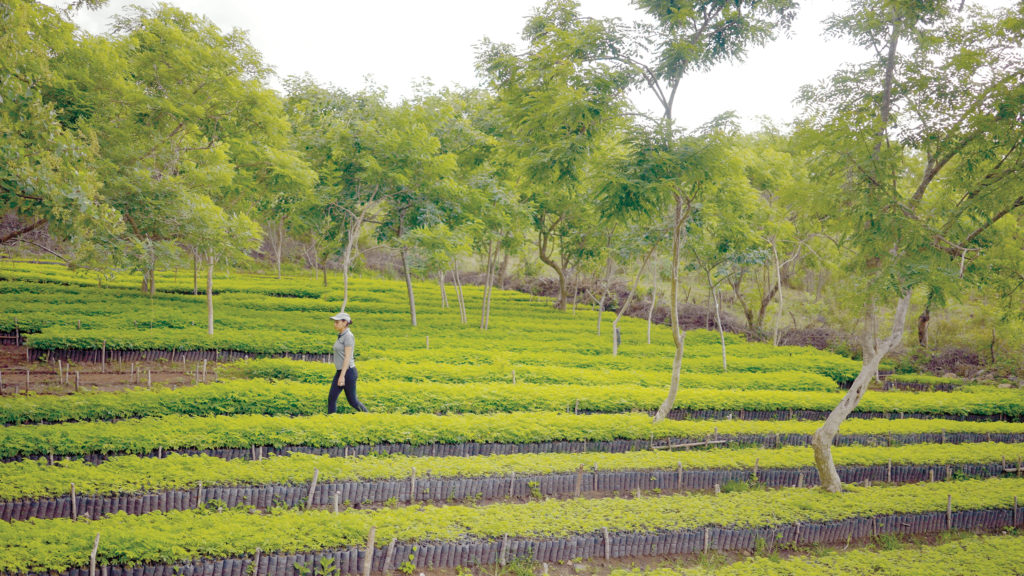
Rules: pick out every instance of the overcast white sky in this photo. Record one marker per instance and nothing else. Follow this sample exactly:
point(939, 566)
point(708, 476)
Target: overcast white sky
point(401, 42)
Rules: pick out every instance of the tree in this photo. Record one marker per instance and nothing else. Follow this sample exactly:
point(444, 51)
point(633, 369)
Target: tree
point(47, 158)
point(183, 117)
point(214, 235)
point(419, 179)
point(344, 137)
point(685, 36)
point(922, 147)
point(556, 99)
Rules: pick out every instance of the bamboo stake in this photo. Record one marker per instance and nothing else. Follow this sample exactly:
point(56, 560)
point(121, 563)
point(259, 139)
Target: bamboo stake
point(389, 557)
point(92, 557)
point(412, 486)
point(312, 488)
point(368, 559)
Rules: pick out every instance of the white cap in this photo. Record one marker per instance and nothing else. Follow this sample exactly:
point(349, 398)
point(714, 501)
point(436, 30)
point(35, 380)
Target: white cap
point(342, 316)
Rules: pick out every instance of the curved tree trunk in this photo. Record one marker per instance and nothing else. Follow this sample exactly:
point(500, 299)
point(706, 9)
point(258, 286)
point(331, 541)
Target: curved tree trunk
point(822, 438)
point(678, 336)
point(408, 286)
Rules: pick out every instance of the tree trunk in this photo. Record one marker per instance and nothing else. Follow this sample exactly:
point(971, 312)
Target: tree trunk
point(678, 336)
point(721, 331)
point(778, 315)
point(458, 291)
point(485, 308)
point(822, 438)
point(408, 287)
point(209, 295)
point(351, 241)
point(504, 270)
point(654, 301)
point(616, 335)
point(545, 257)
point(444, 292)
point(923, 319)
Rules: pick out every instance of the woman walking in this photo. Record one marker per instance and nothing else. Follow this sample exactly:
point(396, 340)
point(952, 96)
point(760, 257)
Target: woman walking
point(345, 364)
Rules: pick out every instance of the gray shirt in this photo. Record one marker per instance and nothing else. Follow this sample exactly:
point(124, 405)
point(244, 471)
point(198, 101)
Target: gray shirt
point(345, 340)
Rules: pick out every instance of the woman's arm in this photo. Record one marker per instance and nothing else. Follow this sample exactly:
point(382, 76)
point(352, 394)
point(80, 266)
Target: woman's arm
point(345, 364)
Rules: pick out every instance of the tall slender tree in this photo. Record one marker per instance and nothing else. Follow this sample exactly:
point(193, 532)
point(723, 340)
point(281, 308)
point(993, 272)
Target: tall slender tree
point(922, 146)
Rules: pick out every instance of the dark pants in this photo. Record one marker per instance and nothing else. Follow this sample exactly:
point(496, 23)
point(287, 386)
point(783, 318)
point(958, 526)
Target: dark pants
point(350, 391)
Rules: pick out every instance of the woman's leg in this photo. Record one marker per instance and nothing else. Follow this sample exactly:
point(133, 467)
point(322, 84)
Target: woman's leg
point(350, 390)
point(332, 396)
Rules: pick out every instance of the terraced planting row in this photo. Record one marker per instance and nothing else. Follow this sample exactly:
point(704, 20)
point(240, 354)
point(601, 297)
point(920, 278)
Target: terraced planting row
point(35, 488)
point(257, 396)
point(461, 434)
point(548, 531)
point(965, 556)
point(526, 443)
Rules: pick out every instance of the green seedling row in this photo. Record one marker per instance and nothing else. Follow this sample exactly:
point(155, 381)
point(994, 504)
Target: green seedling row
point(308, 397)
point(59, 544)
point(146, 435)
point(970, 555)
point(128, 474)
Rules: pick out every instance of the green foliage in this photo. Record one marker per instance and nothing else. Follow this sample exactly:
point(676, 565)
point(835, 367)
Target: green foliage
point(145, 435)
point(179, 536)
point(968, 556)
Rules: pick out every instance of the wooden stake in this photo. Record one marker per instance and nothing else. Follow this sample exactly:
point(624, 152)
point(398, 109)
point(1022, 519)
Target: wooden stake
point(256, 563)
point(78, 378)
point(800, 480)
point(74, 503)
point(389, 557)
point(607, 545)
point(757, 462)
point(707, 540)
point(511, 483)
point(428, 342)
point(103, 357)
point(513, 375)
point(949, 473)
point(679, 475)
point(60, 372)
point(412, 486)
point(368, 559)
point(949, 512)
point(204, 371)
point(337, 498)
point(888, 472)
point(199, 496)
point(92, 557)
point(149, 378)
point(717, 489)
point(931, 475)
point(504, 548)
point(312, 488)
